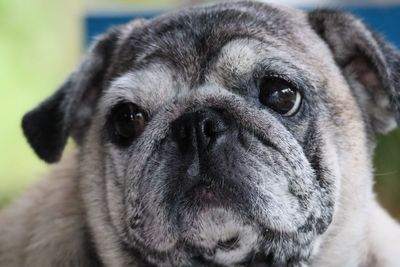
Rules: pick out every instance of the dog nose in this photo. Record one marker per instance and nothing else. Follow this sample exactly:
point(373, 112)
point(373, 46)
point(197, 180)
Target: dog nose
point(201, 129)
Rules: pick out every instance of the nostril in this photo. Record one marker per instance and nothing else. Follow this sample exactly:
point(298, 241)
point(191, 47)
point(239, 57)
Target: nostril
point(185, 132)
point(214, 126)
point(199, 130)
point(182, 130)
point(209, 128)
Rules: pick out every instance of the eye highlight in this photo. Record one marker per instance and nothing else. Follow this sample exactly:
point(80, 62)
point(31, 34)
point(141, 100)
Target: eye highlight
point(279, 95)
point(127, 121)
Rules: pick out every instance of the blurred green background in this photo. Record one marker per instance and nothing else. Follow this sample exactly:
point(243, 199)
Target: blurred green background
point(41, 42)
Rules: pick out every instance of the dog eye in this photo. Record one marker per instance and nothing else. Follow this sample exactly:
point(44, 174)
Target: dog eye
point(279, 95)
point(128, 122)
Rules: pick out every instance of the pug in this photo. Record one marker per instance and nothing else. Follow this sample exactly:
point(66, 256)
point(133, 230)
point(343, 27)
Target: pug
point(233, 134)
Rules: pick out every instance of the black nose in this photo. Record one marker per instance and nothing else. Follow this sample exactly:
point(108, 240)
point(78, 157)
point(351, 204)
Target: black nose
point(199, 130)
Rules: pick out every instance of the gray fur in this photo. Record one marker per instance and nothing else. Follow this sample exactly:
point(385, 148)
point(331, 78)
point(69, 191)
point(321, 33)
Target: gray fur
point(294, 191)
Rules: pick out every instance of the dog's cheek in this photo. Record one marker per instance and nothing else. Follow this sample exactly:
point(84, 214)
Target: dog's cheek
point(147, 216)
point(114, 179)
point(284, 187)
point(94, 184)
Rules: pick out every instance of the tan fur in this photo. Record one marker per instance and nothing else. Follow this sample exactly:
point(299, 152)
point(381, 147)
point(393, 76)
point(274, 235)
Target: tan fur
point(46, 227)
point(49, 225)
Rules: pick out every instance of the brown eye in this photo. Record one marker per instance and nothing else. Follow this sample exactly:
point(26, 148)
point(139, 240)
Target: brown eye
point(279, 95)
point(127, 122)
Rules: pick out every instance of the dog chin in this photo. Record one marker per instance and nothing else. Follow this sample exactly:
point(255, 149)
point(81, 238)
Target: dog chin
point(223, 234)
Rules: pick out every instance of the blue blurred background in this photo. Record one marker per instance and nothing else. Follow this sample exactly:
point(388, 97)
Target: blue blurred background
point(43, 40)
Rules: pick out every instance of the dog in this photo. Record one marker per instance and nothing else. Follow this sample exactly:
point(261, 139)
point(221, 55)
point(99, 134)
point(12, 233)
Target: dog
point(232, 134)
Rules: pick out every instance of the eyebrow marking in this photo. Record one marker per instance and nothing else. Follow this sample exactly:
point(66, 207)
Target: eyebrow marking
point(148, 88)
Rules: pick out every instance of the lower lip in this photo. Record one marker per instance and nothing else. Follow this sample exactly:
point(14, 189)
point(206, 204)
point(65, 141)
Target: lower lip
point(205, 196)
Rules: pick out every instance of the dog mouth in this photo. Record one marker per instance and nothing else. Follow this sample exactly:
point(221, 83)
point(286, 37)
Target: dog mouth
point(214, 219)
point(204, 195)
point(210, 206)
point(201, 197)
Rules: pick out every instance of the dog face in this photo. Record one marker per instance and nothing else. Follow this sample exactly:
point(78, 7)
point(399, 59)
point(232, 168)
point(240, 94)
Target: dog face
point(223, 135)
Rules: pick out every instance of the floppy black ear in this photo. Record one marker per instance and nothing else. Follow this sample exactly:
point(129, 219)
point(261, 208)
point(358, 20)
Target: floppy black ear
point(69, 110)
point(370, 64)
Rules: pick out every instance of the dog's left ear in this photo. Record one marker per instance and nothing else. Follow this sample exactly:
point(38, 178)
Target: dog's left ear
point(370, 65)
point(68, 111)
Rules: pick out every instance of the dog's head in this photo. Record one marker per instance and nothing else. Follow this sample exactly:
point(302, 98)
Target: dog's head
point(224, 134)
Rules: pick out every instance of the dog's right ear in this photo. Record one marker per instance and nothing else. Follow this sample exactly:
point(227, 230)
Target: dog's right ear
point(68, 111)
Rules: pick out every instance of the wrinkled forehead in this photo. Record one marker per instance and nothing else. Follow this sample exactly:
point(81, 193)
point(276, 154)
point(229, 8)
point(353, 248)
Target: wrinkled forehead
point(191, 39)
point(225, 45)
